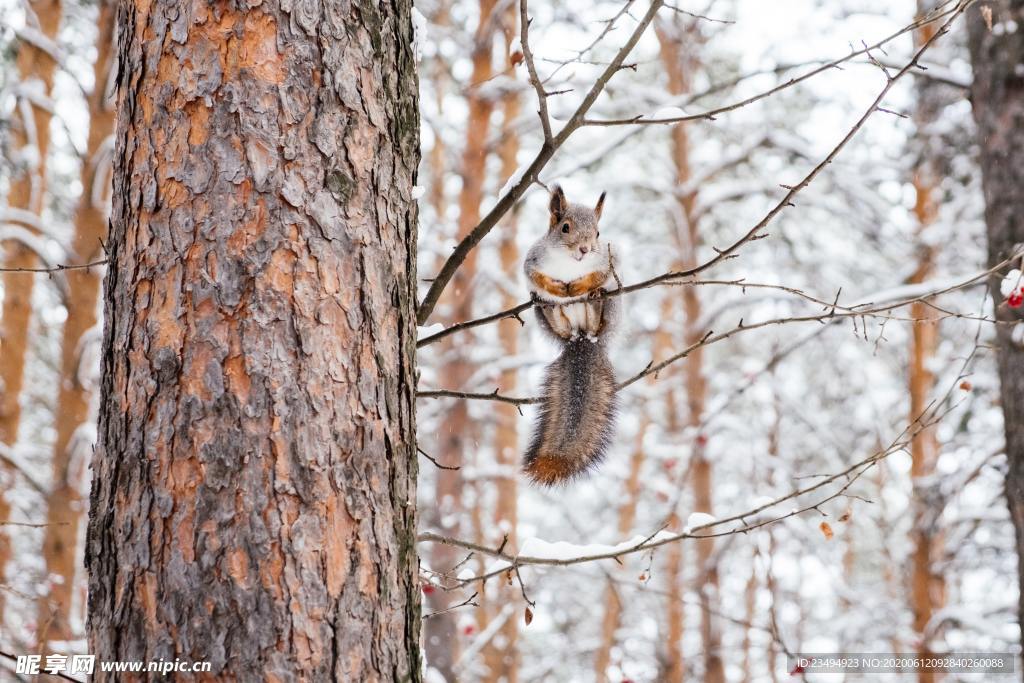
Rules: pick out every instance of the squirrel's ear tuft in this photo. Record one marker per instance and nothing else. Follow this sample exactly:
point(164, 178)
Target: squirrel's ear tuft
point(600, 205)
point(558, 203)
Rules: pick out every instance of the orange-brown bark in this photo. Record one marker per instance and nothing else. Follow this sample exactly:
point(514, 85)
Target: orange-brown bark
point(627, 515)
point(927, 589)
point(927, 585)
point(65, 505)
point(253, 492)
point(27, 192)
point(456, 428)
point(501, 655)
point(679, 40)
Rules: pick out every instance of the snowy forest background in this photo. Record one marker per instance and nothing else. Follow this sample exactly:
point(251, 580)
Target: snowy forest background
point(848, 345)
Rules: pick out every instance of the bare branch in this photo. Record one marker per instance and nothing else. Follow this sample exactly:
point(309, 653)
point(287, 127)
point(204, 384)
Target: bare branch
point(468, 602)
point(56, 268)
point(531, 67)
point(436, 463)
point(694, 15)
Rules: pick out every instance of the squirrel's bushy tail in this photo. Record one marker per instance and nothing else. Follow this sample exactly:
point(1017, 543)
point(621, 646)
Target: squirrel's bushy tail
point(577, 414)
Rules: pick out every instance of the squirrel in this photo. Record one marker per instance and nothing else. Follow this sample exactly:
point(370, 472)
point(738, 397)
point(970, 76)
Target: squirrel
point(567, 270)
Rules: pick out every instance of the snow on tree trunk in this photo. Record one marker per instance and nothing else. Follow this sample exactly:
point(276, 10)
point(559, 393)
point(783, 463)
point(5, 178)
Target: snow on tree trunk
point(30, 140)
point(927, 590)
point(253, 492)
point(997, 96)
point(65, 504)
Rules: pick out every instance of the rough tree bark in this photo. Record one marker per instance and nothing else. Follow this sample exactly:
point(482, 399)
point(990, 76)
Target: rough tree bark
point(253, 499)
point(997, 97)
point(30, 138)
point(65, 505)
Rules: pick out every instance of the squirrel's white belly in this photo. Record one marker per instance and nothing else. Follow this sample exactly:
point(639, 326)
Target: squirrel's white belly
point(560, 264)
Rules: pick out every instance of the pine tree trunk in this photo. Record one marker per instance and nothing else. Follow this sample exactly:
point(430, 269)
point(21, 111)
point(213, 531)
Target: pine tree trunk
point(253, 499)
point(612, 599)
point(27, 191)
point(501, 654)
point(997, 96)
point(927, 586)
point(679, 41)
point(65, 505)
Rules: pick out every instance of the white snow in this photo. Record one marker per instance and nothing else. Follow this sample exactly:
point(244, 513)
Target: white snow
point(512, 181)
point(697, 520)
point(428, 330)
point(418, 191)
point(563, 550)
point(667, 113)
point(420, 24)
point(1014, 281)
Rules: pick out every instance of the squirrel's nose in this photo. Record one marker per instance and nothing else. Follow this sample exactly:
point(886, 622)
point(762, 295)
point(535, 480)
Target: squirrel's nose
point(583, 250)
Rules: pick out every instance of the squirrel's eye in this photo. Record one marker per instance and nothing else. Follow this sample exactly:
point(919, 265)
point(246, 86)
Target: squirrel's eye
point(565, 227)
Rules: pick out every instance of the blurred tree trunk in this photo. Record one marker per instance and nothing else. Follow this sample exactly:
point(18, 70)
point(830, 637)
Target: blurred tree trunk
point(30, 140)
point(680, 39)
point(501, 655)
point(927, 587)
point(456, 429)
point(750, 613)
point(997, 96)
point(65, 505)
point(674, 664)
point(627, 515)
point(253, 500)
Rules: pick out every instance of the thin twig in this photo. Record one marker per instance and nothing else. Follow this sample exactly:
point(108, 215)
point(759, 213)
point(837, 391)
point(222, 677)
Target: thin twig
point(465, 603)
point(436, 463)
point(57, 268)
point(531, 67)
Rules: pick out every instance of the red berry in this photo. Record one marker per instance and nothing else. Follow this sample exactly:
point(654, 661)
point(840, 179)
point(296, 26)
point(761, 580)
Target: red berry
point(702, 439)
point(1015, 299)
point(468, 629)
point(428, 589)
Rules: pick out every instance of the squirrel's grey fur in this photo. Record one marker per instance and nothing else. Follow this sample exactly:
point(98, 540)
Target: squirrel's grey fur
point(566, 268)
